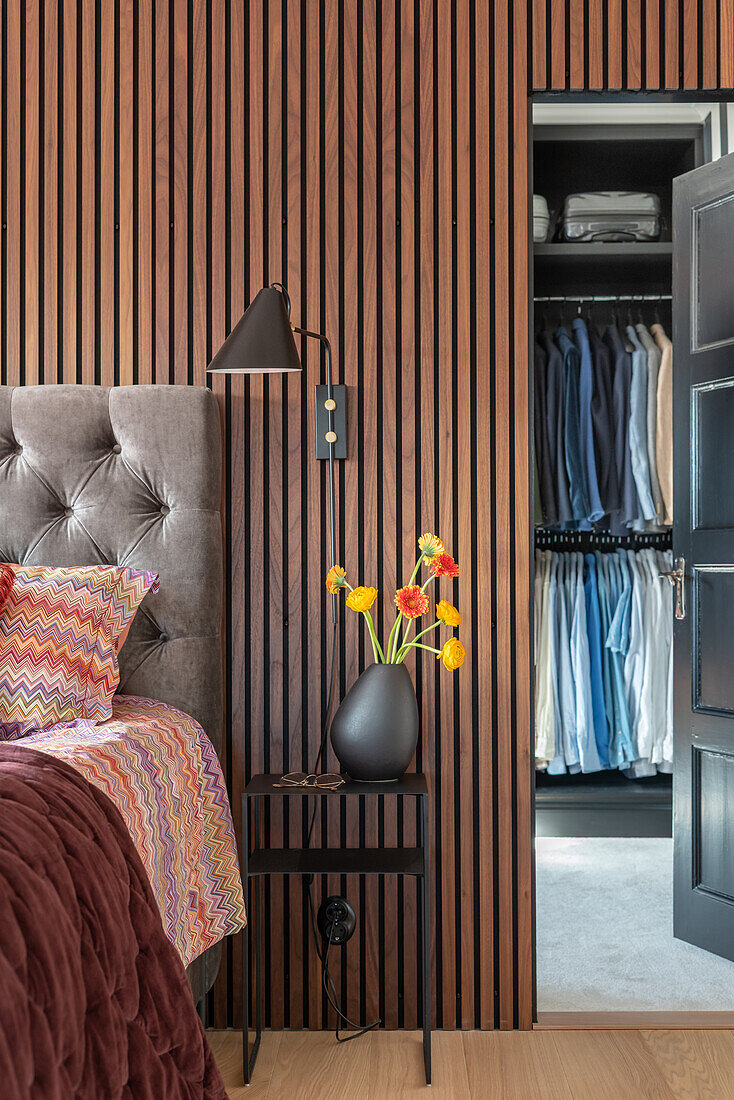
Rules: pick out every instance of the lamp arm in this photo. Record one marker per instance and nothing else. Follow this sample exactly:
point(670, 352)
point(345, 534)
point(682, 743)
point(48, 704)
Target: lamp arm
point(330, 394)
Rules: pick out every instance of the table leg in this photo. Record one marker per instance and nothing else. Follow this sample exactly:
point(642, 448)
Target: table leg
point(426, 936)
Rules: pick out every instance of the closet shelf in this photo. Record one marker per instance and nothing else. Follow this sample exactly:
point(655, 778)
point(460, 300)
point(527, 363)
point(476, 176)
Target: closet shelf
point(637, 251)
point(626, 268)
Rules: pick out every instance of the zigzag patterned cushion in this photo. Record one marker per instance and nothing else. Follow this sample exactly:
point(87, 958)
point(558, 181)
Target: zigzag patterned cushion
point(60, 631)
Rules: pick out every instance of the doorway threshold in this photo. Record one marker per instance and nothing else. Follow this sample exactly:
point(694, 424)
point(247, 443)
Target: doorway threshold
point(632, 1021)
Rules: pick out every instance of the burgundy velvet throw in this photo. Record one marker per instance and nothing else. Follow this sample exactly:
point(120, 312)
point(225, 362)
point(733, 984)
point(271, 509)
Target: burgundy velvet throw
point(94, 1000)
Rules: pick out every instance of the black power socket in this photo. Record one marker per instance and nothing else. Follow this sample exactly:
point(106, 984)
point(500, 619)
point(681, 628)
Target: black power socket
point(336, 920)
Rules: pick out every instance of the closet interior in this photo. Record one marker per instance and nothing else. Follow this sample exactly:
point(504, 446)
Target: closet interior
point(603, 475)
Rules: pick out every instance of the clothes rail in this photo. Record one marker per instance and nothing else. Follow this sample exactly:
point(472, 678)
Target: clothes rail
point(605, 298)
point(601, 540)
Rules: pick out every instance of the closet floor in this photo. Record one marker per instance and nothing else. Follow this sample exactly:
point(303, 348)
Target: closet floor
point(605, 932)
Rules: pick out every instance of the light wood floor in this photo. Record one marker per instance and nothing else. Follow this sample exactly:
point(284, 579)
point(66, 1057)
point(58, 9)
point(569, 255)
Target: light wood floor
point(475, 1065)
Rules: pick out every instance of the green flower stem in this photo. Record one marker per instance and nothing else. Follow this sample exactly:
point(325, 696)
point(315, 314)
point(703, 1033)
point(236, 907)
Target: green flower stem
point(418, 645)
point(417, 567)
point(376, 648)
point(401, 654)
point(390, 639)
point(426, 582)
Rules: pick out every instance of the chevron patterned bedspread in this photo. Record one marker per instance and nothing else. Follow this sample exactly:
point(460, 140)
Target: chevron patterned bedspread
point(161, 772)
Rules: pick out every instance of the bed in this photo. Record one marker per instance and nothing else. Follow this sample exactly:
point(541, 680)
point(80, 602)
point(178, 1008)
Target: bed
point(131, 476)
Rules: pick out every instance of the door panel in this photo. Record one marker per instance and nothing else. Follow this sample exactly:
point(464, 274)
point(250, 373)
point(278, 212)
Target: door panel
point(703, 533)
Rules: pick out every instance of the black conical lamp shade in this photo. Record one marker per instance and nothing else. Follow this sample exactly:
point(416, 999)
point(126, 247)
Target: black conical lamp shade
point(262, 340)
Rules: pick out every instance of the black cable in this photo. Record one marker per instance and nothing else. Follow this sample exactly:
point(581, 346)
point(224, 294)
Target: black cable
point(326, 979)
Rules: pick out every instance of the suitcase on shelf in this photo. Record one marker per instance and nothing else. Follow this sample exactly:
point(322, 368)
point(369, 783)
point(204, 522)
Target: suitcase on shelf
point(541, 219)
point(611, 216)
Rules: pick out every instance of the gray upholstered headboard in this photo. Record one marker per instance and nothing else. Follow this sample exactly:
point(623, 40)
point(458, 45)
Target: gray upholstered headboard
point(127, 476)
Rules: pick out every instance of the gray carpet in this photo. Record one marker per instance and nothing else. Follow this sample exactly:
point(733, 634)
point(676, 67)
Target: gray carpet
point(605, 932)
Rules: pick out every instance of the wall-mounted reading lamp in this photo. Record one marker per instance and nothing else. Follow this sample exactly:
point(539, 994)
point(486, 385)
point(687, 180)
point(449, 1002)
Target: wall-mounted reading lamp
point(262, 343)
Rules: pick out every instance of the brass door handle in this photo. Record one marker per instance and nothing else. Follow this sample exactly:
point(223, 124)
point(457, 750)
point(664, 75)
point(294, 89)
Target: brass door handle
point(677, 577)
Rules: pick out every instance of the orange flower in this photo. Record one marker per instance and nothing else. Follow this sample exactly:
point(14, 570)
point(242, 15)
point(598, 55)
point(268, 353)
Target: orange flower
point(336, 578)
point(452, 654)
point(361, 599)
point(446, 613)
point(411, 601)
point(443, 565)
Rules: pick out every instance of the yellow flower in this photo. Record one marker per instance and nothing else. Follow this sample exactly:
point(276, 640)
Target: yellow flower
point(430, 545)
point(336, 578)
point(361, 599)
point(446, 613)
point(452, 654)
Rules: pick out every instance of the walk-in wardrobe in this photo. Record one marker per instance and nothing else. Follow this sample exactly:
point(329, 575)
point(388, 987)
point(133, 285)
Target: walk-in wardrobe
point(613, 932)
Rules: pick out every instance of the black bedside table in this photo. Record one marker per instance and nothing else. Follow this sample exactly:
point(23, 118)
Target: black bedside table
point(330, 861)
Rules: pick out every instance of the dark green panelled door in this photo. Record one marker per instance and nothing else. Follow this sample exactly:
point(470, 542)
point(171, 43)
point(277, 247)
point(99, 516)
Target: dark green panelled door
point(703, 540)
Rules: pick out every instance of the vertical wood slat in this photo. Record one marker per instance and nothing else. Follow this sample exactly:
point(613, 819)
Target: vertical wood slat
point(503, 518)
point(30, 228)
point(144, 245)
point(726, 43)
point(596, 44)
point(68, 191)
point(126, 356)
point(577, 34)
point(557, 31)
point(14, 140)
point(162, 212)
point(484, 762)
point(276, 535)
point(192, 245)
point(672, 45)
point(690, 43)
point(539, 40)
point(708, 32)
point(615, 44)
point(634, 44)
point(237, 718)
point(49, 177)
point(652, 44)
point(106, 187)
point(446, 931)
point(88, 148)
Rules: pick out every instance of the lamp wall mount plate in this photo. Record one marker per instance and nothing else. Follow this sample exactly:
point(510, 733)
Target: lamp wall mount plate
point(338, 425)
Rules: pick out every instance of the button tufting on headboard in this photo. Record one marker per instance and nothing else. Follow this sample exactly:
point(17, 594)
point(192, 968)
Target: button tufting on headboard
point(168, 440)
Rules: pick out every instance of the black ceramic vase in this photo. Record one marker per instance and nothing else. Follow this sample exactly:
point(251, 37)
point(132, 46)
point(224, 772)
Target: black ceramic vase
point(375, 730)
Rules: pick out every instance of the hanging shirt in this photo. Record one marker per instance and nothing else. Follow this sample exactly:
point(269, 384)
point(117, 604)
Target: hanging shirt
point(575, 465)
point(556, 766)
point(566, 682)
point(593, 630)
point(545, 734)
point(638, 425)
point(586, 388)
point(653, 367)
point(664, 431)
point(585, 735)
point(602, 415)
point(544, 479)
point(629, 506)
point(621, 747)
point(554, 411)
point(665, 562)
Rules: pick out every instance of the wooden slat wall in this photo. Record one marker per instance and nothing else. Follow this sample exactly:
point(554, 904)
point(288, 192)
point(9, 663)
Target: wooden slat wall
point(159, 161)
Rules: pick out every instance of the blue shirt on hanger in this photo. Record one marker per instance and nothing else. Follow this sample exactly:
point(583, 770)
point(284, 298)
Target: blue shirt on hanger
point(586, 426)
point(638, 426)
point(593, 630)
point(577, 478)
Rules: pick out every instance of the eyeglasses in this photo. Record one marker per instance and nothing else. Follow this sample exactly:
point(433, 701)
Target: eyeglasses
point(328, 781)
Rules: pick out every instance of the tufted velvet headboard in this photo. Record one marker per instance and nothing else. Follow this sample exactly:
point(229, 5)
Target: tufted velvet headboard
point(127, 476)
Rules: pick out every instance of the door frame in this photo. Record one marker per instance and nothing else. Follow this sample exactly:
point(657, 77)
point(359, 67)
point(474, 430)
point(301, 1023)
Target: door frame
point(580, 1020)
